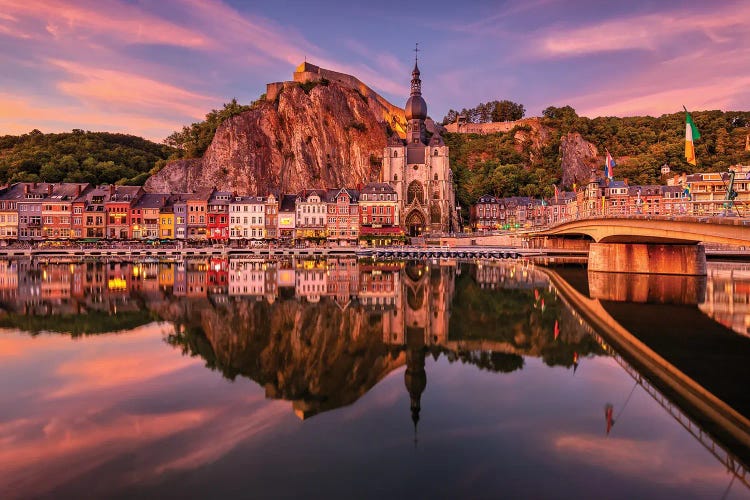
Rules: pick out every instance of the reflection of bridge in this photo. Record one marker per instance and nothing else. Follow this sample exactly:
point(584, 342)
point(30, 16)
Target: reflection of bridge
point(660, 245)
point(708, 409)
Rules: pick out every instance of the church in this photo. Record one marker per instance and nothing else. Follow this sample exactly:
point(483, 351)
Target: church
point(418, 168)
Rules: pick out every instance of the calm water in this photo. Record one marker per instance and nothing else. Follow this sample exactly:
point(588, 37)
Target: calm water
point(336, 379)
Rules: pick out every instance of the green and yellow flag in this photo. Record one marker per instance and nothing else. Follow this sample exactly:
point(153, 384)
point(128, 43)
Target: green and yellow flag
point(691, 134)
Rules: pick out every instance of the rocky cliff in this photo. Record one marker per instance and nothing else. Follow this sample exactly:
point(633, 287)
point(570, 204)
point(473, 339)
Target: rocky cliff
point(327, 129)
point(578, 158)
point(324, 136)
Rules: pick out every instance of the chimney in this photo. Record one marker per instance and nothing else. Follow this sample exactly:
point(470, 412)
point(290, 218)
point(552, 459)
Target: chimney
point(78, 190)
point(26, 188)
point(49, 189)
point(626, 181)
point(34, 186)
point(111, 189)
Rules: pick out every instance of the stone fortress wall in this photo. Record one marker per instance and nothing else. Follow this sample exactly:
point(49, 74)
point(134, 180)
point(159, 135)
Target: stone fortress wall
point(462, 127)
point(307, 72)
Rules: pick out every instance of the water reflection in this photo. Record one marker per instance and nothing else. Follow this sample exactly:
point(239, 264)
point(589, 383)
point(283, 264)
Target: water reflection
point(317, 335)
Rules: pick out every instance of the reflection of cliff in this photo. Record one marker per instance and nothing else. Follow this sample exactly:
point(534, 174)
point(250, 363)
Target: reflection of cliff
point(316, 355)
point(319, 333)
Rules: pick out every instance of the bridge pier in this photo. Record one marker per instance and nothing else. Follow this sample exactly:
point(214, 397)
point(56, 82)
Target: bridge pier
point(647, 258)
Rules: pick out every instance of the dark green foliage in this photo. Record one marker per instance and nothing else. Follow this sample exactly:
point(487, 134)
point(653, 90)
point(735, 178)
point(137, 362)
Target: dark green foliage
point(496, 164)
point(642, 144)
point(193, 141)
point(485, 112)
point(91, 323)
point(78, 156)
point(492, 164)
point(513, 317)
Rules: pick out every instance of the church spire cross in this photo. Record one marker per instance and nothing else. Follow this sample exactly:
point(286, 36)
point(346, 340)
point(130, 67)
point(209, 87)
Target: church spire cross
point(416, 53)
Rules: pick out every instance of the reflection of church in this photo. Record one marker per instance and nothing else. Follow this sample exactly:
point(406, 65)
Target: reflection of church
point(420, 321)
point(419, 170)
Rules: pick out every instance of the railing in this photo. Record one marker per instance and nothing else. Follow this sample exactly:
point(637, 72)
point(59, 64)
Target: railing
point(700, 211)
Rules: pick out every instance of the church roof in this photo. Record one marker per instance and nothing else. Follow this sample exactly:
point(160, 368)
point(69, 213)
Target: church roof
point(395, 140)
point(436, 140)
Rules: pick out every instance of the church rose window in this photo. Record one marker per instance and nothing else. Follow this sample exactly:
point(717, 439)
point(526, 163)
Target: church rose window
point(415, 192)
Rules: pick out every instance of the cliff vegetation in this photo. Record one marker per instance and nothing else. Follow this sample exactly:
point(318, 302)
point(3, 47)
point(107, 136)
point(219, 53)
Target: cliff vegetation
point(79, 156)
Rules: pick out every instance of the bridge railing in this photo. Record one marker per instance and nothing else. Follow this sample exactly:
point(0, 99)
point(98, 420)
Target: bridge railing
point(699, 210)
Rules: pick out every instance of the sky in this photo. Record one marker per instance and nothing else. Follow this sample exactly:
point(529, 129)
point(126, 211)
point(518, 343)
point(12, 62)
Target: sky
point(148, 67)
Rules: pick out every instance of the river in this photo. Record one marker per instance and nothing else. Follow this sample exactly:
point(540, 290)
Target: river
point(363, 379)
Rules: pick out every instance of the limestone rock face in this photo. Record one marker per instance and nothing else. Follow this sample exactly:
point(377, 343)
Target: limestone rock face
point(316, 355)
point(331, 136)
point(578, 158)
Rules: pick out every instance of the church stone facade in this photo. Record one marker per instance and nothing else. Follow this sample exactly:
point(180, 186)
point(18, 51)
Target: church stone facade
point(419, 170)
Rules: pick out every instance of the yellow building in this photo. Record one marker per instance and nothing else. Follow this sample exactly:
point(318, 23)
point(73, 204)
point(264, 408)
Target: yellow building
point(9, 197)
point(166, 222)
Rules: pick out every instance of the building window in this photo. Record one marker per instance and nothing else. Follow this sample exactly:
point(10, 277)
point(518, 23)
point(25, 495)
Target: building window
point(415, 192)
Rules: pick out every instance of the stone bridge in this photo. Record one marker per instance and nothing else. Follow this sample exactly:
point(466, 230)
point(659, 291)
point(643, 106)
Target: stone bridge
point(668, 230)
point(655, 245)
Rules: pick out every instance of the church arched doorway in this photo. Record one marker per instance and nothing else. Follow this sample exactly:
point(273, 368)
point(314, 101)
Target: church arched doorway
point(415, 223)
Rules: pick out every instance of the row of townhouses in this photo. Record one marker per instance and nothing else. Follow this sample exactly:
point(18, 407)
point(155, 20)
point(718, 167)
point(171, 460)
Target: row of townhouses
point(85, 212)
point(700, 194)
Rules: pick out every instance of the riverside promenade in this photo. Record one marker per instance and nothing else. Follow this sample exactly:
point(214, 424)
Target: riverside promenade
point(156, 251)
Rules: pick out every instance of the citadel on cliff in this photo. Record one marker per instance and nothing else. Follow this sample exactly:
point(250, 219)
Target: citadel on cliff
point(417, 167)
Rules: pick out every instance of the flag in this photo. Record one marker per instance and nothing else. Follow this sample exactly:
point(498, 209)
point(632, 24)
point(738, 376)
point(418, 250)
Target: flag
point(609, 164)
point(575, 187)
point(557, 192)
point(691, 134)
point(747, 142)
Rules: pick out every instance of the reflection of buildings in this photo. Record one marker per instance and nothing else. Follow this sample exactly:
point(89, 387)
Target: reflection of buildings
point(359, 320)
point(727, 298)
point(516, 276)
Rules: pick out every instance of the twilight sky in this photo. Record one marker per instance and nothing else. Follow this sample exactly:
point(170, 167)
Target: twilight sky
point(148, 67)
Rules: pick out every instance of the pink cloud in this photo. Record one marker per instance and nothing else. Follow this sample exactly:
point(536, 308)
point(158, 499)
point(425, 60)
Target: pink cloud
point(646, 32)
point(109, 89)
point(58, 441)
point(116, 20)
point(640, 459)
point(18, 115)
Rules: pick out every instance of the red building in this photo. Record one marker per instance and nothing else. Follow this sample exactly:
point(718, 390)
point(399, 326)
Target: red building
point(343, 216)
point(379, 222)
point(57, 209)
point(217, 226)
point(118, 206)
point(487, 214)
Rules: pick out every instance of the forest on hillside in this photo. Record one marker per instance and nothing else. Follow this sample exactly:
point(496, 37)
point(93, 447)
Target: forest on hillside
point(80, 156)
point(491, 163)
point(640, 145)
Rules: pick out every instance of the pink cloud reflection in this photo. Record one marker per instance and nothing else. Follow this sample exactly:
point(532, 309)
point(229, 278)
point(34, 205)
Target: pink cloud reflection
point(80, 413)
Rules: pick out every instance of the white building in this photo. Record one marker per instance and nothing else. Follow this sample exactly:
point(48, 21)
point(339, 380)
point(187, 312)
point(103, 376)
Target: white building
point(247, 220)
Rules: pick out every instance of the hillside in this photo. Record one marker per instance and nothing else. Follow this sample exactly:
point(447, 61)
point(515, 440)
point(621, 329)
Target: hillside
point(78, 156)
point(561, 148)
